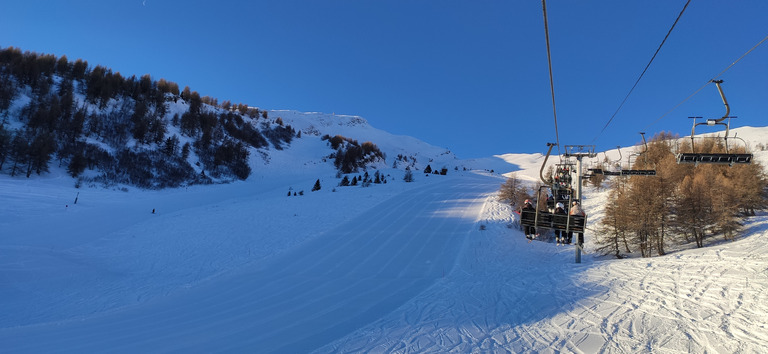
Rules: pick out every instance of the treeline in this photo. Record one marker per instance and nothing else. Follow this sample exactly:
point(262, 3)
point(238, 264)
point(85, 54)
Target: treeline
point(682, 204)
point(90, 118)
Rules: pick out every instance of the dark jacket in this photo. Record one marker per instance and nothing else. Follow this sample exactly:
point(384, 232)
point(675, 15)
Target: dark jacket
point(528, 207)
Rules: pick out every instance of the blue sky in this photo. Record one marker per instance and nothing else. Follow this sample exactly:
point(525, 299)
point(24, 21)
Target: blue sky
point(470, 76)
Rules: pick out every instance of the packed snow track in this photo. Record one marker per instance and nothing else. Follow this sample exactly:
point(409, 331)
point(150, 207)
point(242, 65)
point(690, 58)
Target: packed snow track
point(299, 300)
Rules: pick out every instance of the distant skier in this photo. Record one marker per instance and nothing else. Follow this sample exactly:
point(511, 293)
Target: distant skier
point(530, 231)
point(559, 234)
point(576, 210)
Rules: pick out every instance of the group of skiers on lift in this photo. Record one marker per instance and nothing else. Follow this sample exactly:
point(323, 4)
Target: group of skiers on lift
point(561, 236)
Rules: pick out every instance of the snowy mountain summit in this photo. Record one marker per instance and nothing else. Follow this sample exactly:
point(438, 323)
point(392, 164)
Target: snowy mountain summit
point(314, 124)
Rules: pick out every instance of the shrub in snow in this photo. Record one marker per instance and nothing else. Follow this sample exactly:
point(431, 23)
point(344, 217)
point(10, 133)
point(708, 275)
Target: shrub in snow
point(350, 155)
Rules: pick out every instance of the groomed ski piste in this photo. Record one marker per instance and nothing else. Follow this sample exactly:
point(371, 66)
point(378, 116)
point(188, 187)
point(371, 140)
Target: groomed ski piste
point(436, 265)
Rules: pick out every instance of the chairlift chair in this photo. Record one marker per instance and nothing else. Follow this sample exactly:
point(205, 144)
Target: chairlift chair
point(726, 158)
point(562, 177)
point(638, 172)
point(629, 171)
point(547, 219)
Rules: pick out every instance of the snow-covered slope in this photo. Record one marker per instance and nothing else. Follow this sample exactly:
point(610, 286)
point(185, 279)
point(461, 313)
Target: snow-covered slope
point(428, 266)
point(507, 295)
point(318, 124)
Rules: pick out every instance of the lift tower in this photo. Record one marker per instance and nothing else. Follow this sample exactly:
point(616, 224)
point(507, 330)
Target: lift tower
point(579, 152)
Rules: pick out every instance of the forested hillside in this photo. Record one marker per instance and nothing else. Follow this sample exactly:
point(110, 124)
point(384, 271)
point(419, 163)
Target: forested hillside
point(679, 206)
point(682, 203)
point(105, 128)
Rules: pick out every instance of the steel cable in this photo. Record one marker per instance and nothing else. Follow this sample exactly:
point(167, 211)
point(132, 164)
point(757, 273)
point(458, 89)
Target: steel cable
point(551, 80)
point(644, 70)
point(708, 82)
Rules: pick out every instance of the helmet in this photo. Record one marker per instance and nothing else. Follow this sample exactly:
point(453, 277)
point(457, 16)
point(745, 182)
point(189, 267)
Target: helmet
point(560, 205)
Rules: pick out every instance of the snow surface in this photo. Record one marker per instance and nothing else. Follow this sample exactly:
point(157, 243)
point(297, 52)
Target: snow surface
point(436, 265)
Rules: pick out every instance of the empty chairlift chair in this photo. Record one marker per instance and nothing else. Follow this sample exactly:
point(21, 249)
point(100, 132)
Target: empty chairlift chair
point(726, 158)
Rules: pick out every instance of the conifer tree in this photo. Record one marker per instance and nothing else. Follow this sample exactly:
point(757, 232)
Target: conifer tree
point(614, 227)
point(749, 183)
point(40, 151)
point(186, 94)
point(19, 152)
point(185, 150)
point(5, 144)
point(76, 165)
point(408, 177)
point(140, 123)
point(513, 191)
point(316, 187)
point(8, 92)
point(63, 67)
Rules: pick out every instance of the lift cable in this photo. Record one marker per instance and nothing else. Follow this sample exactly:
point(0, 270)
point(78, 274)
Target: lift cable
point(708, 82)
point(644, 70)
point(551, 80)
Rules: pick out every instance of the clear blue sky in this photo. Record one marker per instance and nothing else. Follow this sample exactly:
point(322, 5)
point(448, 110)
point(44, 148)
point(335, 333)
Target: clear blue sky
point(470, 76)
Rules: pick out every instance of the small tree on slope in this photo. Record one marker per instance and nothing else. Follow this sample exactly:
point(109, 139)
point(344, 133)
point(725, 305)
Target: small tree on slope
point(408, 175)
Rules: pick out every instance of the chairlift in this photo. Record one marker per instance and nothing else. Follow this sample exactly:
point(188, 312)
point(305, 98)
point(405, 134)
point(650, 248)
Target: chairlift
point(593, 165)
point(716, 158)
point(562, 177)
point(629, 171)
point(637, 172)
point(547, 218)
point(544, 215)
point(616, 163)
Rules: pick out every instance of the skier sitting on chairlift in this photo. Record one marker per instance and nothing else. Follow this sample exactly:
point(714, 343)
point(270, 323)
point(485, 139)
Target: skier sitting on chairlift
point(559, 234)
point(530, 231)
point(576, 210)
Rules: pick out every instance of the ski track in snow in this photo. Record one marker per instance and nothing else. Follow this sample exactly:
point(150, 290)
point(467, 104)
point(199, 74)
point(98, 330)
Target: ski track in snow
point(507, 295)
point(300, 300)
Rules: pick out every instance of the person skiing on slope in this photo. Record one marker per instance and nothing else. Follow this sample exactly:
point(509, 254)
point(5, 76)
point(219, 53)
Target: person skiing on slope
point(559, 234)
point(530, 231)
point(576, 210)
